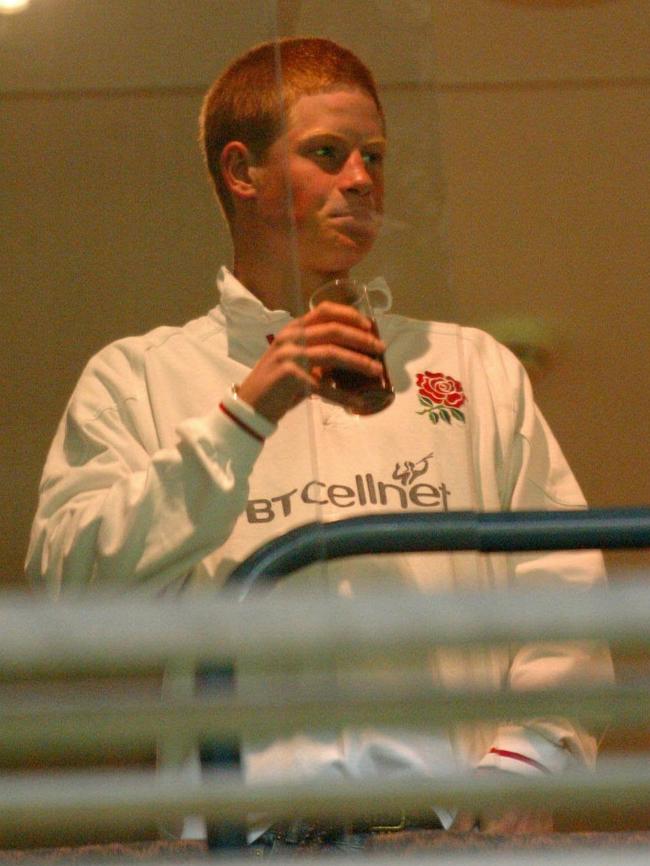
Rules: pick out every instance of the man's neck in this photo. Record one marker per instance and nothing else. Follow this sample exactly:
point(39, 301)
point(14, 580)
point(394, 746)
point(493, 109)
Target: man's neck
point(279, 286)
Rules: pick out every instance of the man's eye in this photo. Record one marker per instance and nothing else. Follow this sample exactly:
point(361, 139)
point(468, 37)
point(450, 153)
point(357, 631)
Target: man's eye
point(373, 158)
point(325, 151)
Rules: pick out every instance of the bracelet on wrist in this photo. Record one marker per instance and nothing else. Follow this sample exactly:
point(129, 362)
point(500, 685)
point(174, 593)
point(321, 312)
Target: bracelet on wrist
point(245, 416)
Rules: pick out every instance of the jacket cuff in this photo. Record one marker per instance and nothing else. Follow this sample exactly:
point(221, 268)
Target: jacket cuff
point(220, 444)
point(524, 751)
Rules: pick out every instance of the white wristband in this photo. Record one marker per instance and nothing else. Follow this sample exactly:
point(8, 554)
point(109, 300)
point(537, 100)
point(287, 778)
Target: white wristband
point(240, 411)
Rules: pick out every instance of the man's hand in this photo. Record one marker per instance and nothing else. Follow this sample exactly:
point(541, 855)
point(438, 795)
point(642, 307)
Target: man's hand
point(332, 335)
point(506, 822)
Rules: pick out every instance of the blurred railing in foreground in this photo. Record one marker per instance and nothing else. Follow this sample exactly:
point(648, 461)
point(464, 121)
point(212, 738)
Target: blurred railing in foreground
point(115, 637)
point(41, 640)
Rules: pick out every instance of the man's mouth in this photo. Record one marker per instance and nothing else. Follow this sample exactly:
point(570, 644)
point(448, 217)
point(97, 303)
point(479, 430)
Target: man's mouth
point(359, 215)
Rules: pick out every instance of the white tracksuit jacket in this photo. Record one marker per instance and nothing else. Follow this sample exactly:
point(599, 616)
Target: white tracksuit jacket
point(150, 486)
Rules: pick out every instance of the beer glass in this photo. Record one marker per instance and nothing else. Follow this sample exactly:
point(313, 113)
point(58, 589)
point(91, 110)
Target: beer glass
point(357, 393)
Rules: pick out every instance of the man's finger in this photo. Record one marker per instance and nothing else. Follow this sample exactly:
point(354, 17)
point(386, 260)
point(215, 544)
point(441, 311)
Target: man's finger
point(513, 822)
point(464, 822)
point(329, 311)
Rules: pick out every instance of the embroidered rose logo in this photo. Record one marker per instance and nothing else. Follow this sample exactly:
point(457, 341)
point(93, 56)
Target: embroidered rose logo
point(441, 395)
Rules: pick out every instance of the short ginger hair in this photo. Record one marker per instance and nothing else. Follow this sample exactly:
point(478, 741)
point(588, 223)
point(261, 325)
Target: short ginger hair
point(250, 101)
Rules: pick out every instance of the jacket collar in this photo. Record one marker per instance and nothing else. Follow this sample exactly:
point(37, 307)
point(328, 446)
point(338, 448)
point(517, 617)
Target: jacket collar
point(249, 324)
point(238, 303)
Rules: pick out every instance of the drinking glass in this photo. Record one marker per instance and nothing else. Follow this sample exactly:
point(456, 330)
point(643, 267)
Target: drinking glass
point(357, 393)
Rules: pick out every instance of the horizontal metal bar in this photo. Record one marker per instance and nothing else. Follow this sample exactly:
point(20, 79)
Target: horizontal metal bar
point(133, 634)
point(480, 852)
point(611, 528)
point(124, 800)
point(51, 728)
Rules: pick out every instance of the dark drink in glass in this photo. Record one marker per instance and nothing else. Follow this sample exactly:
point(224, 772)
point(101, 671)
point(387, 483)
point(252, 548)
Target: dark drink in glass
point(357, 393)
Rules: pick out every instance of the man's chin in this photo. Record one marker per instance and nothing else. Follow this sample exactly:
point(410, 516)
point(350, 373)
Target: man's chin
point(346, 251)
point(335, 265)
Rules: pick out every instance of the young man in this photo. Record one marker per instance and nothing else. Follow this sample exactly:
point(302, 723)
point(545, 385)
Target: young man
point(184, 450)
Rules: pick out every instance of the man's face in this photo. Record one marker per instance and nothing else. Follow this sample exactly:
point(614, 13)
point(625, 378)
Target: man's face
point(321, 184)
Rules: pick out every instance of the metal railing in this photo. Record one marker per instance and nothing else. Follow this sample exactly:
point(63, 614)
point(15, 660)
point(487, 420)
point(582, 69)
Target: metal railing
point(486, 532)
point(122, 636)
point(92, 637)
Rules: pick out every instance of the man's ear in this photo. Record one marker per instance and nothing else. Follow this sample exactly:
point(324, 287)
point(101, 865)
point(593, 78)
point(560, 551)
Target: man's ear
point(238, 171)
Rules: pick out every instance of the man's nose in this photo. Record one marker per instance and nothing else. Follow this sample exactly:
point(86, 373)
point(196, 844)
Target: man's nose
point(356, 176)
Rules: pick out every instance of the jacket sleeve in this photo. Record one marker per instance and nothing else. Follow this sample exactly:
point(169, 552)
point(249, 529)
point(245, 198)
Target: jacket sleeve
point(539, 478)
point(114, 508)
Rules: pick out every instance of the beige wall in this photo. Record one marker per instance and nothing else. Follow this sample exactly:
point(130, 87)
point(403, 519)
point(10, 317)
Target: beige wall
point(519, 186)
point(547, 171)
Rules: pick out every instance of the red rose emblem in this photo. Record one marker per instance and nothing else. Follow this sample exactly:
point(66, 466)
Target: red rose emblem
point(442, 396)
point(441, 389)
